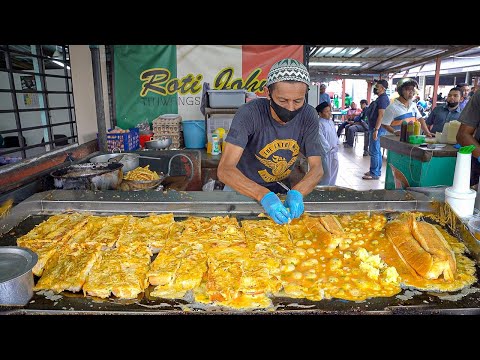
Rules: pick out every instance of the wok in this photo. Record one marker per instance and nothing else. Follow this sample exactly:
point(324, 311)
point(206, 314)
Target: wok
point(89, 176)
point(130, 161)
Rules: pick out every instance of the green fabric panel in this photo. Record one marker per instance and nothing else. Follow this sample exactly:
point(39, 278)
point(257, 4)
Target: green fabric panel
point(138, 97)
point(437, 171)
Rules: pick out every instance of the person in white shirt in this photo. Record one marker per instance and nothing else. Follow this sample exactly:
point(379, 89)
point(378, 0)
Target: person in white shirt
point(403, 108)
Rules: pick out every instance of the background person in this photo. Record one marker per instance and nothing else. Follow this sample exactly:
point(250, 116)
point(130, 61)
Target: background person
point(403, 108)
point(327, 131)
point(324, 95)
point(465, 93)
point(336, 102)
point(265, 139)
point(422, 107)
point(360, 124)
point(375, 113)
point(445, 113)
point(472, 91)
point(348, 100)
point(352, 112)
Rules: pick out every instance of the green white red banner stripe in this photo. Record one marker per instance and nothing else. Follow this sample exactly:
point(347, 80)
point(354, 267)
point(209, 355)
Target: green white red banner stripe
point(152, 80)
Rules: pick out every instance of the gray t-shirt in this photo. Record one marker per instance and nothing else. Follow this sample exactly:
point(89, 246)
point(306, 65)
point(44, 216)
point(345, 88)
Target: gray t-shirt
point(470, 114)
point(271, 149)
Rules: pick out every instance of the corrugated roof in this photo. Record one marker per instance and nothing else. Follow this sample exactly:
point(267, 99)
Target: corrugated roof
point(374, 61)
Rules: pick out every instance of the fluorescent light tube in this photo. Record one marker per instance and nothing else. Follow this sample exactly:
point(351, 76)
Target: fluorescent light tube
point(334, 64)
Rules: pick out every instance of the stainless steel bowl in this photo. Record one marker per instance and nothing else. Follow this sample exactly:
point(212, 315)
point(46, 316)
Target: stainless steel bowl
point(16, 276)
point(160, 143)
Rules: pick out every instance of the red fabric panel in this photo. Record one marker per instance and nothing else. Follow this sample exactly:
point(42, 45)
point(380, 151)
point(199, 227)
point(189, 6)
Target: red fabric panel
point(263, 57)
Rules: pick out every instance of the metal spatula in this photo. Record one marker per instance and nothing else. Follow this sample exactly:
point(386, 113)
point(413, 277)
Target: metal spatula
point(283, 185)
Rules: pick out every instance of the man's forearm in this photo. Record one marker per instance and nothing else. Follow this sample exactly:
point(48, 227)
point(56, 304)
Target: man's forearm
point(468, 139)
point(425, 128)
point(390, 129)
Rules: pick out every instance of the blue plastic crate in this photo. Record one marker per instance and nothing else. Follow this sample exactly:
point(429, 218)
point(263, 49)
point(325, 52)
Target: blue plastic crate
point(125, 141)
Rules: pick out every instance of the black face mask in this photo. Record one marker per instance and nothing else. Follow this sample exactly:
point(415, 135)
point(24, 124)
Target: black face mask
point(452, 104)
point(284, 114)
point(375, 91)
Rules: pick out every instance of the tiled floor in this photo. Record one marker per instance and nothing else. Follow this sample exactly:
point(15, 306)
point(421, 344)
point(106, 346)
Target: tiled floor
point(352, 166)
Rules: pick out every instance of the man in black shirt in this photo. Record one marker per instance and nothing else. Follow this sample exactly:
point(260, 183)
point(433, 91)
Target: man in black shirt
point(265, 139)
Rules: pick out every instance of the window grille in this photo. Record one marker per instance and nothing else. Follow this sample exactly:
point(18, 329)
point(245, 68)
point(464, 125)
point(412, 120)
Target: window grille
point(37, 112)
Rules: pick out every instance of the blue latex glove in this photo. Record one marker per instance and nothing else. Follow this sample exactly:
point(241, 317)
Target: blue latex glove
point(294, 202)
point(457, 146)
point(274, 208)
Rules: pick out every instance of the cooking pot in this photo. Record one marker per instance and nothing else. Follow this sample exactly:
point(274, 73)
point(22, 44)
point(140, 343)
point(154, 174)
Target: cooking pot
point(130, 161)
point(160, 143)
point(89, 176)
point(16, 277)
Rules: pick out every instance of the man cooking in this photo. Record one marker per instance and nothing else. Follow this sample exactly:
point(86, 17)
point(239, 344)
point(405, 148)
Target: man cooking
point(265, 139)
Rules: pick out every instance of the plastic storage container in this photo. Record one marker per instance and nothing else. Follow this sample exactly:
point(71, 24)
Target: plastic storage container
point(459, 196)
point(126, 141)
point(416, 139)
point(194, 133)
point(226, 98)
point(452, 131)
point(462, 203)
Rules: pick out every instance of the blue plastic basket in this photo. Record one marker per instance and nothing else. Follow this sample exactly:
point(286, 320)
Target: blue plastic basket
point(125, 141)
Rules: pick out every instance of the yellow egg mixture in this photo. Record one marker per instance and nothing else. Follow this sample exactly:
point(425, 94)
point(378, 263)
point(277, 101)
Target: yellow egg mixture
point(228, 263)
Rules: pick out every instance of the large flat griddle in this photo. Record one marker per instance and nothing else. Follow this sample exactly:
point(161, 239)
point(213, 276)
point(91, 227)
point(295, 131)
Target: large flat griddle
point(39, 207)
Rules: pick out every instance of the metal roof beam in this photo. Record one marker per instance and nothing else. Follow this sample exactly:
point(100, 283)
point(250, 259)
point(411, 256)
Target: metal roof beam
point(392, 58)
point(430, 58)
point(312, 50)
point(346, 76)
point(364, 59)
point(433, 47)
point(347, 73)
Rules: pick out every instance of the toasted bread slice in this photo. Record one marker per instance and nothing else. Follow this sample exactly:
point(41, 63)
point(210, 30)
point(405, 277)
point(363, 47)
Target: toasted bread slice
point(331, 223)
point(69, 268)
point(418, 261)
point(432, 240)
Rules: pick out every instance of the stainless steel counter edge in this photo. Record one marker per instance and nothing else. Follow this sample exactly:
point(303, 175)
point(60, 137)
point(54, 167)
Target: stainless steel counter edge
point(214, 203)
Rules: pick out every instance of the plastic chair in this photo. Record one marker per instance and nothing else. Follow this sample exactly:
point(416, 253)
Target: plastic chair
point(357, 134)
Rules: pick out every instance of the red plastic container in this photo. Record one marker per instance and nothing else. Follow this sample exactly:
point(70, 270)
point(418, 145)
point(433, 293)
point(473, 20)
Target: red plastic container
point(144, 138)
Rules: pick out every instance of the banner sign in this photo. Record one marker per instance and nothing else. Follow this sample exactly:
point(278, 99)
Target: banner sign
point(153, 80)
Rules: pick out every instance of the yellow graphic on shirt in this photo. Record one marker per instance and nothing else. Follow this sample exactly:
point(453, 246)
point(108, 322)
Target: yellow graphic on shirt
point(280, 167)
